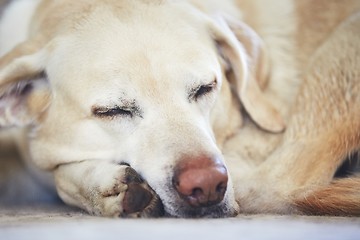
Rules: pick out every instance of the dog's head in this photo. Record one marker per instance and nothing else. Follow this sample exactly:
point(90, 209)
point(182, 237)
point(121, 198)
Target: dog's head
point(152, 85)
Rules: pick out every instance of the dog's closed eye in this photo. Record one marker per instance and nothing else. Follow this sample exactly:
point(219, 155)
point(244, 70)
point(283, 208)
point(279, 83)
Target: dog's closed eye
point(112, 112)
point(129, 109)
point(202, 90)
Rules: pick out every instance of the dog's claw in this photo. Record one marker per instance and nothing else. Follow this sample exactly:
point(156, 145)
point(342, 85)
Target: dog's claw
point(132, 176)
point(136, 198)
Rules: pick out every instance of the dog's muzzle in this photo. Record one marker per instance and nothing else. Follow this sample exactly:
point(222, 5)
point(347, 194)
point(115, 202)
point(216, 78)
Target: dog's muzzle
point(201, 182)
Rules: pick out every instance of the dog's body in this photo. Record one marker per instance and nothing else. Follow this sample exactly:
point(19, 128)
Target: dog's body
point(164, 85)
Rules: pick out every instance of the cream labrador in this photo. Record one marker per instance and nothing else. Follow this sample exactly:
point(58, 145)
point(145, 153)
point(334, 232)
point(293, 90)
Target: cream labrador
point(183, 96)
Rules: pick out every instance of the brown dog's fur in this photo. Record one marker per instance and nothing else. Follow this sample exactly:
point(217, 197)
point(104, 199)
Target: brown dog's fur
point(331, 118)
point(323, 129)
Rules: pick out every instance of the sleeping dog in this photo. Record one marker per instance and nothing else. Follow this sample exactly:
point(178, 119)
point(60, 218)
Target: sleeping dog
point(186, 108)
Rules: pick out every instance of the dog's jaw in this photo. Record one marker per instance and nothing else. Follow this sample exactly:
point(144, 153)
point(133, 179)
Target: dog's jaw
point(174, 206)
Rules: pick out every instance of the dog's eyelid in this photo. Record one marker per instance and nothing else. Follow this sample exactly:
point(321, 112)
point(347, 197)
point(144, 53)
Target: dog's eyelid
point(202, 90)
point(113, 111)
point(109, 112)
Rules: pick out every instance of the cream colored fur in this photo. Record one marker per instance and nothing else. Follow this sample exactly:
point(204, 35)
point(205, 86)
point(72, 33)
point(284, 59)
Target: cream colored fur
point(279, 71)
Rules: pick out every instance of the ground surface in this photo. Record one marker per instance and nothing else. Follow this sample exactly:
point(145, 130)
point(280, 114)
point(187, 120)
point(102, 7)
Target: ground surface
point(61, 222)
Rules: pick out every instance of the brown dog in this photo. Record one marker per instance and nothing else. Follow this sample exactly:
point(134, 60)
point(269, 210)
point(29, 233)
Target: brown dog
point(190, 97)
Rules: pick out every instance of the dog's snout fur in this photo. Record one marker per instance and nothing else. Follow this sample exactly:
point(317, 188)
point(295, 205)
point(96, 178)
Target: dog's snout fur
point(201, 181)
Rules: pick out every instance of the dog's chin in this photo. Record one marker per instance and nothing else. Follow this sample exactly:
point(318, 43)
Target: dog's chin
point(179, 208)
point(220, 210)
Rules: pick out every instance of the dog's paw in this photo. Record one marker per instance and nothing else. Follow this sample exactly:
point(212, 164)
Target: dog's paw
point(126, 195)
point(140, 200)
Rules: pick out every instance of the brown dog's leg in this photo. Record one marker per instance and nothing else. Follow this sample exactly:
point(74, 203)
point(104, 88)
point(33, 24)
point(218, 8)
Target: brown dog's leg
point(323, 131)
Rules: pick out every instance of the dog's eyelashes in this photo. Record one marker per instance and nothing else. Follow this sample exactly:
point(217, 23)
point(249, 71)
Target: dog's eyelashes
point(203, 90)
point(110, 112)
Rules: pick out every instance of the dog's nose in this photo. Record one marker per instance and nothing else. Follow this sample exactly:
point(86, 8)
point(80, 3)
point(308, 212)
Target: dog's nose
point(201, 181)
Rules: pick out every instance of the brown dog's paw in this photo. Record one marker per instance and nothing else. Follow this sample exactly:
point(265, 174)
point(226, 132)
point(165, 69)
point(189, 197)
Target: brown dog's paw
point(140, 200)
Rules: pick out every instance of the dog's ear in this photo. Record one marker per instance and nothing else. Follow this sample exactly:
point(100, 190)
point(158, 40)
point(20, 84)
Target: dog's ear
point(244, 52)
point(24, 90)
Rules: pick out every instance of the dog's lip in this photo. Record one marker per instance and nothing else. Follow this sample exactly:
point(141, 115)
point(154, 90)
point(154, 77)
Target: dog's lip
point(184, 210)
point(201, 214)
point(175, 206)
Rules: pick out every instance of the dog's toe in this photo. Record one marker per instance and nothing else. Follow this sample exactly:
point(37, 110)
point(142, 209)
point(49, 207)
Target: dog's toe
point(131, 176)
point(140, 199)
